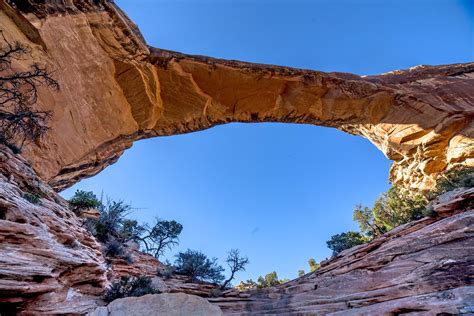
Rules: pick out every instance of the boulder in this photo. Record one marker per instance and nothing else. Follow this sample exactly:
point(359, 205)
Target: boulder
point(169, 304)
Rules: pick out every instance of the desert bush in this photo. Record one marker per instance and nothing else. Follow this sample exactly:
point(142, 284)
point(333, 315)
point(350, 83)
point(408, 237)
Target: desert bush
point(83, 200)
point(313, 265)
point(216, 292)
point(114, 249)
point(246, 285)
point(113, 228)
point(457, 177)
point(161, 236)
point(196, 265)
point(340, 242)
point(166, 272)
point(395, 207)
point(33, 198)
point(130, 286)
point(112, 216)
point(270, 279)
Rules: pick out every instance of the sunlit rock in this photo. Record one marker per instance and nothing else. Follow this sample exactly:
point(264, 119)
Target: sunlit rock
point(115, 90)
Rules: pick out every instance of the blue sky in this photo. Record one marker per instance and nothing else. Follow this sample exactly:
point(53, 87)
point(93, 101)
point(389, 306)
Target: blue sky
point(276, 191)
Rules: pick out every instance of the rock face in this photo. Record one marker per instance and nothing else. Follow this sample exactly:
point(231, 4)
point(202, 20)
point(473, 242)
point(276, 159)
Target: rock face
point(159, 304)
point(424, 267)
point(115, 89)
point(48, 262)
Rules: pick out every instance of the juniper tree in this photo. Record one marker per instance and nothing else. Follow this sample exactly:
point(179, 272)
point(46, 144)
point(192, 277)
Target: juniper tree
point(19, 122)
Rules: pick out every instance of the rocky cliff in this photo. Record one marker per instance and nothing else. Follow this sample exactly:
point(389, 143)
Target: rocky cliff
point(115, 90)
point(424, 267)
point(49, 264)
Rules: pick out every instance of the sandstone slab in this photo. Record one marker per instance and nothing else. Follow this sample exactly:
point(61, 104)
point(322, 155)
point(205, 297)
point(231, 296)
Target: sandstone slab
point(160, 304)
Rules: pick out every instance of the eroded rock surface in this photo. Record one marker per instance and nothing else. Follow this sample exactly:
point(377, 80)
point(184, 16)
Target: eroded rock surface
point(115, 89)
point(159, 304)
point(424, 267)
point(48, 262)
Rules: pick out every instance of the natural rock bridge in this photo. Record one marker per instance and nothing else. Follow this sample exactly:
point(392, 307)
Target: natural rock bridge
point(115, 90)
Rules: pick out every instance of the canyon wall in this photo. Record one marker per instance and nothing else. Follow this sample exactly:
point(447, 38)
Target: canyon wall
point(50, 264)
point(115, 90)
point(424, 267)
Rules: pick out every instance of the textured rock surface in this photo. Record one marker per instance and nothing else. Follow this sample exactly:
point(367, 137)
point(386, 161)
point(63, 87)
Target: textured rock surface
point(425, 266)
point(116, 90)
point(144, 264)
point(48, 262)
point(159, 304)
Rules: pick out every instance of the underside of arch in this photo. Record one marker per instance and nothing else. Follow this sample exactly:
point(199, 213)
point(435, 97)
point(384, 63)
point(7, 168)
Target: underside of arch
point(115, 89)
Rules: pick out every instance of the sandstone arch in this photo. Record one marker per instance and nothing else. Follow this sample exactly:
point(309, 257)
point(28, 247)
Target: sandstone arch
point(116, 89)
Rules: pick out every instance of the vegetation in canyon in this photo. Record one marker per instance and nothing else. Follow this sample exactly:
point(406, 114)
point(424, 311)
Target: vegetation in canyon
point(130, 286)
point(115, 231)
point(396, 207)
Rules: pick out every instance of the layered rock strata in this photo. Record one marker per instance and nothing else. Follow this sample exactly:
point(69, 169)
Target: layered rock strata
point(424, 267)
point(115, 90)
point(48, 262)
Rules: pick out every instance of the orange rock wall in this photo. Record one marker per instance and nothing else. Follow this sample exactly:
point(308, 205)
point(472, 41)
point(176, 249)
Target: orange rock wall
point(115, 90)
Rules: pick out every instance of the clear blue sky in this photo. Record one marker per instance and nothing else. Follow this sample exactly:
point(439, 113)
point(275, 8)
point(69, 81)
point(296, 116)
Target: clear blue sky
point(277, 192)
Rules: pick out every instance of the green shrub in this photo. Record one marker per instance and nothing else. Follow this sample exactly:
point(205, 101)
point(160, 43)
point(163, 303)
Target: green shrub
point(395, 207)
point(270, 279)
point(83, 200)
point(454, 178)
point(166, 272)
point(246, 285)
point(115, 249)
point(112, 216)
point(130, 286)
point(313, 265)
point(343, 241)
point(200, 268)
point(33, 198)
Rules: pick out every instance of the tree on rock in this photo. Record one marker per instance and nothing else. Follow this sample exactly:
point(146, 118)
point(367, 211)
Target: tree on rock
point(313, 265)
point(196, 265)
point(270, 279)
point(236, 263)
point(340, 242)
point(18, 93)
point(161, 236)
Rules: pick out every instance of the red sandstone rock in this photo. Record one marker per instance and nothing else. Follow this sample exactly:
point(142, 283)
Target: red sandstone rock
point(47, 260)
point(115, 89)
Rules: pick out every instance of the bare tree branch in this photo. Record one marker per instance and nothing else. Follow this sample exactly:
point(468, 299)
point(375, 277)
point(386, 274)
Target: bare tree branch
point(19, 123)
